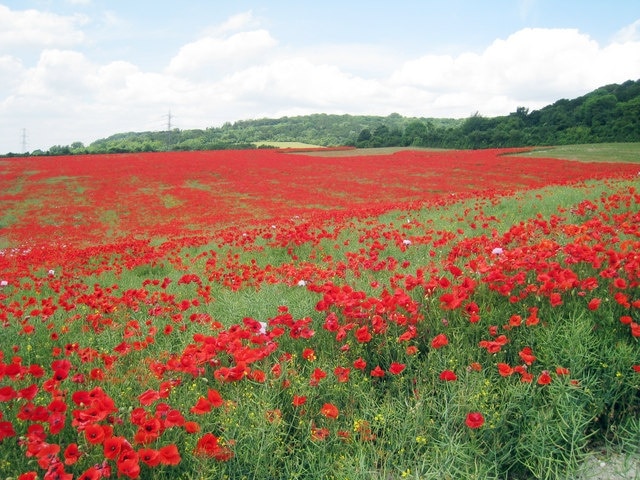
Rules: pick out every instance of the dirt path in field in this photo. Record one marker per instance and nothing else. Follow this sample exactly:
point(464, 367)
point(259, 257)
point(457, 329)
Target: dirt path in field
point(358, 152)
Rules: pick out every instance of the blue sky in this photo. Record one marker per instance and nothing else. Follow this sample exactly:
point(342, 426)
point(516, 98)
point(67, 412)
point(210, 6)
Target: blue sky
point(80, 70)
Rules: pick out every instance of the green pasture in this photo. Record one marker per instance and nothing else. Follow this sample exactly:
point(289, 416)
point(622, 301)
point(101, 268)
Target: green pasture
point(592, 152)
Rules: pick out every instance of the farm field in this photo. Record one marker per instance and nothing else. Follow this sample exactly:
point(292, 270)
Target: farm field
point(596, 152)
point(260, 314)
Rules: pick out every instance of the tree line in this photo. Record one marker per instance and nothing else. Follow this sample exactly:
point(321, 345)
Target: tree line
point(607, 114)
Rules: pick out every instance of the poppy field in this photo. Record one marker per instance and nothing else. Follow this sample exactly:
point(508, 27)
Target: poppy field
point(260, 314)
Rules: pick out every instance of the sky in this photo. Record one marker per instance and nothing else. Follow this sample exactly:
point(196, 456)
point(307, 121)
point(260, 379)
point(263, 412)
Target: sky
point(82, 70)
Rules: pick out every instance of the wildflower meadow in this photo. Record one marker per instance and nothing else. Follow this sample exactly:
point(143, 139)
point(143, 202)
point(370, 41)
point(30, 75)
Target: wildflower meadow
point(261, 314)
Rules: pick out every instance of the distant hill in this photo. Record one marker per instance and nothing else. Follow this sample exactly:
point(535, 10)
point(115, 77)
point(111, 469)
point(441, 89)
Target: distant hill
point(608, 114)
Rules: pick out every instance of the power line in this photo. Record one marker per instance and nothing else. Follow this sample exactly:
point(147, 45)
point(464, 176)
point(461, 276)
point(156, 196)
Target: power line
point(169, 117)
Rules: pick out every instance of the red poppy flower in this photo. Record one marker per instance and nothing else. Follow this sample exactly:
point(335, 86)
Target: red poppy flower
point(411, 350)
point(258, 376)
point(112, 447)
point(148, 397)
point(363, 335)
point(169, 455)
point(206, 445)
point(594, 304)
point(342, 374)
point(201, 407)
point(622, 299)
point(94, 434)
point(56, 422)
point(28, 476)
point(544, 378)
point(526, 377)
point(214, 397)
point(476, 367)
point(174, 418)
point(439, 341)
point(317, 375)
point(309, 354)
point(396, 368)
point(149, 457)
point(532, 319)
point(474, 420)
point(149, 431)
point(7, 393)
point(330, 411)
point(515, 320)
point(359, 364)
point(410, 333)
point(191, 427)
point(299, 400)
point(71, 454)
point(527, 356)
point(620, 283)
point(448, 376)
point(6, 430)
point(209, 446)
point(377, 372)
point(504, 369)
point(29, 392)
point(129, 468)
point(555, 299)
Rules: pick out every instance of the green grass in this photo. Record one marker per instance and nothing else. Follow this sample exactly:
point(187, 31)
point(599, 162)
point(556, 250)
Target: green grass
point(593, 152)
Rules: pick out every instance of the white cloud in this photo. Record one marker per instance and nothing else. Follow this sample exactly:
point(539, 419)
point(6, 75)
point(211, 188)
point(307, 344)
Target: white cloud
point(211, 54)
point(296, 81)
point(356, 58)
point(32, 28)
point(58, 73)
point(235, 23)
point(630, 33)
point(11, 72)
point(532, 67)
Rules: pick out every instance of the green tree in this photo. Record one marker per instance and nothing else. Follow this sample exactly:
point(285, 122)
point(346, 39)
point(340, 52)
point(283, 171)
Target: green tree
point(415, 133)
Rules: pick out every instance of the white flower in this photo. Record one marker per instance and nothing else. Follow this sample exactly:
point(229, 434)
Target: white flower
point(3, 283)
point(497, 251)
point(406, 241)
point(263, 327)
point(52, 273)
point(301, 283)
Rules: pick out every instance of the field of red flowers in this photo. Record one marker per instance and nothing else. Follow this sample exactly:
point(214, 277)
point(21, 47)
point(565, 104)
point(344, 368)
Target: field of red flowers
point(89, 200)
point(262, 315)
